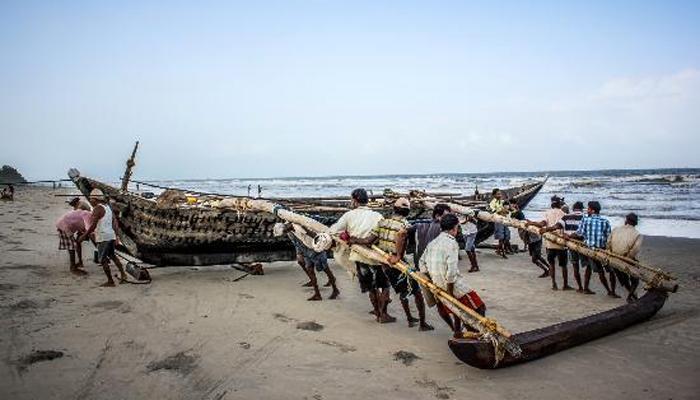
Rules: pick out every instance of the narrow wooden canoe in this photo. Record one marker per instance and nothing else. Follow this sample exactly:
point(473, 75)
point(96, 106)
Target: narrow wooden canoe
point(552, 339)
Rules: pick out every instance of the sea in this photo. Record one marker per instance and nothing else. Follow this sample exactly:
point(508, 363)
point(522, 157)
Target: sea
point(666, 200)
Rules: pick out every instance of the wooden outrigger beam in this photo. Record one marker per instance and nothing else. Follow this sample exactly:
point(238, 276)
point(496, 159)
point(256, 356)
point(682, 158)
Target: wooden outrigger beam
point(489, 328)
point(653, 277)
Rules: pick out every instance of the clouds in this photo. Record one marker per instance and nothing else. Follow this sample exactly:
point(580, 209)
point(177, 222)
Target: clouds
point(322, 89)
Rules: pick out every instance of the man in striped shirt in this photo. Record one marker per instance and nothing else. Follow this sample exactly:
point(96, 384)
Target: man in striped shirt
point(594, 231)
point(571, 224)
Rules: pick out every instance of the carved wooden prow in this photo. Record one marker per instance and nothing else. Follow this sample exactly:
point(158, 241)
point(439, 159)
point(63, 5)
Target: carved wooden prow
point(129, 165)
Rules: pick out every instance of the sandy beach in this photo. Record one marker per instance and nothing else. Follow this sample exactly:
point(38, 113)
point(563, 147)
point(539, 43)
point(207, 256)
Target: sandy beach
point(197, 333)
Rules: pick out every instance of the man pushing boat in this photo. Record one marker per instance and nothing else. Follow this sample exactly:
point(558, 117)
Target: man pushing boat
point(440, 263)
point(391, 235)
point(359, 223)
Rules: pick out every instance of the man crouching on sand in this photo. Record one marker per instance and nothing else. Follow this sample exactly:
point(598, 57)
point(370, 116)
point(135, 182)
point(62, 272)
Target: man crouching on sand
point(104, 224)
point(439, 262)
point(70, 226)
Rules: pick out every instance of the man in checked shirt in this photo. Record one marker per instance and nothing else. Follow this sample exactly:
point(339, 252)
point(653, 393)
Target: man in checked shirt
point(594, 230)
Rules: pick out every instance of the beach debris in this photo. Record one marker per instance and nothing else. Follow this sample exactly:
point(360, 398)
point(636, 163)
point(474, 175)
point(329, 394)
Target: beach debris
point(37, 356)
point(250, 268)
point(309, 326)
point(406, 357)
point(180, 362)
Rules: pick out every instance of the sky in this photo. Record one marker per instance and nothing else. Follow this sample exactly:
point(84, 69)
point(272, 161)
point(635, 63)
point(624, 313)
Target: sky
point(315, 88)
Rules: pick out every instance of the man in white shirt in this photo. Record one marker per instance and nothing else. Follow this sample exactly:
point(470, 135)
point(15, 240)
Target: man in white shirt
point(440, 263)
point(553, 222)
point(359, 223)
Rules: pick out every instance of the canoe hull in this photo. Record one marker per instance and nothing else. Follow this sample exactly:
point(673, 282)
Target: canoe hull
point(552, 339)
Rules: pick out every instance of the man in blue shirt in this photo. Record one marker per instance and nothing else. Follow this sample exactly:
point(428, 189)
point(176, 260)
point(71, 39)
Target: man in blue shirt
point(594, 230)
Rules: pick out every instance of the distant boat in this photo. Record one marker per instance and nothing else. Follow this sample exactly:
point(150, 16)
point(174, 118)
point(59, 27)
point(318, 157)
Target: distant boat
point(194, 231)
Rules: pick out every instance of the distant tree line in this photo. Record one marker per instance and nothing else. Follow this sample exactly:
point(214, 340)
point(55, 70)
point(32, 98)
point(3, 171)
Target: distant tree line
point(10, 175)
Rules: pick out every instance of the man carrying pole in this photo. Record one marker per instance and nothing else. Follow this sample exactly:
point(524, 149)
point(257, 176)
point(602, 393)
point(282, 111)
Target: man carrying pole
point(439, 262)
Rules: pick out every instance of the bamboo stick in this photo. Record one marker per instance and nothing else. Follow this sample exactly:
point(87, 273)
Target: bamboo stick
point(651, 276)
point(488, 327)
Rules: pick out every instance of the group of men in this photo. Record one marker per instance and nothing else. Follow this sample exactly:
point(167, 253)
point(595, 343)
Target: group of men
point(592, 229)
point(435, 255)
point(96, 223)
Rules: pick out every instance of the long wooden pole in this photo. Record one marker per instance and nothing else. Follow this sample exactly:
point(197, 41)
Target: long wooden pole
point(651, 276)
point(488, 327)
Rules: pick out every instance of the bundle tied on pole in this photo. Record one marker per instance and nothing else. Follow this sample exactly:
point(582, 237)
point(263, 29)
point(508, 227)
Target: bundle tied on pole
point(652, 277)
point(489, 329)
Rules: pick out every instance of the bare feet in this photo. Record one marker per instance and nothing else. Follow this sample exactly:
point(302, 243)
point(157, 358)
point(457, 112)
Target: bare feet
point(328, 284)
point(307, 284)
point(473, 270)
point(385, 319)
point(108, 284)
point(77, 271)
point(334, 295)
point(424, 327)
point(567, 287)
point(412, 321)
point(315, 297)
point(554, 287)
point(588, 291)
point(579, 290)
point(544, 275)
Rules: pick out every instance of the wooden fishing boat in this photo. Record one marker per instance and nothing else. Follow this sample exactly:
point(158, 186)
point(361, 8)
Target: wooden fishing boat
point(551, 339)
point(182, 234)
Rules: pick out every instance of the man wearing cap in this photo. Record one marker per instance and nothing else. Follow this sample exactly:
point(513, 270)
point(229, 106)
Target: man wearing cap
point(553, 222)
point(70, 226)
point(104, 224)
point(500, 231)
point(391, 235)
point(358, 224)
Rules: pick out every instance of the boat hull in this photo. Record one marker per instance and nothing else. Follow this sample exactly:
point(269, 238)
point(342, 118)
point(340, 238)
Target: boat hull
point(552, 339)
point(183, 236)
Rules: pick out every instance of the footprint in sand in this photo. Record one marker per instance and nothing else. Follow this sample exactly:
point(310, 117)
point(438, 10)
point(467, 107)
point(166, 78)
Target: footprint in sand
point(181, 363)
point(344, 348)
point(441, 392)
point(282, 317)
point(309, 326)
point(37, 356)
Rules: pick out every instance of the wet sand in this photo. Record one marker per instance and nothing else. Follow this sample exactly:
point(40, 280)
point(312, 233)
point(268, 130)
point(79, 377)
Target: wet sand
point(197, 333)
